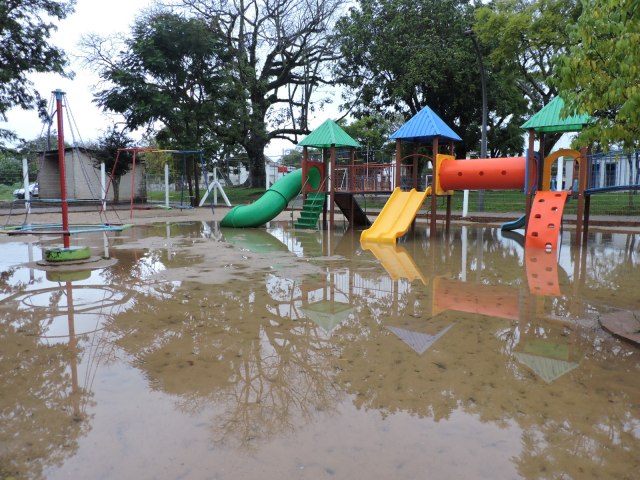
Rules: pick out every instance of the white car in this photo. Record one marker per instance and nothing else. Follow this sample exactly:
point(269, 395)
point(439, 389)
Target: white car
point(34, 191)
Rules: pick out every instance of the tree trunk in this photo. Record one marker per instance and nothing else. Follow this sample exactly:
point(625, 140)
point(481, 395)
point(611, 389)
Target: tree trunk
point(116, 189)
point(255, 151)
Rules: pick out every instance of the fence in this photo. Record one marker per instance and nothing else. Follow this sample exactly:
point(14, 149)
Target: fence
point(614, 182)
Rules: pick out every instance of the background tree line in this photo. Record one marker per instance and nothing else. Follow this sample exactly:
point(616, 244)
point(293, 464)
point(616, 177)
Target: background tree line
point(229, 77)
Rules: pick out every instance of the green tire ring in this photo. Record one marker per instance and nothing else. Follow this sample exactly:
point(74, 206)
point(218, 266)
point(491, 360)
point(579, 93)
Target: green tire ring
point(62, 254)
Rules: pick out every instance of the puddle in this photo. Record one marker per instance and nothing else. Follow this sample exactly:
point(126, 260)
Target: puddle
point(225, 354)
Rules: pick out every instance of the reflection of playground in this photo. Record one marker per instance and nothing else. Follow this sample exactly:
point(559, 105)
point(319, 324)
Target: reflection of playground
point(257, 355)
point(315, 298)
point(330, 300)
point(548, 360)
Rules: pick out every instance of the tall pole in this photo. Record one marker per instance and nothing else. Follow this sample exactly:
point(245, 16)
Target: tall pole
point(63, 179)
point(483, 85)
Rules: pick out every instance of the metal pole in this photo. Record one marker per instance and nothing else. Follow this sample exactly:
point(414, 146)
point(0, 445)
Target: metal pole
point(166, 185)
point(25, 185)
point(483, 84)
point(103, 185)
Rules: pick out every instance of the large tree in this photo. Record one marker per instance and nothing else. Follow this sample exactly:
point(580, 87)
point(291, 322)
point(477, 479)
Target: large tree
point(172, 72)
point(273, 53)
point(600, 73)
point(521, 37)
point(398, 56)
point(25, 30)
point(279, 50)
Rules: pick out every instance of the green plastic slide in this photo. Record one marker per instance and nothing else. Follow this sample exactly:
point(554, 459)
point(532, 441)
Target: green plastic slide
point(514, 224)
point(274, 201)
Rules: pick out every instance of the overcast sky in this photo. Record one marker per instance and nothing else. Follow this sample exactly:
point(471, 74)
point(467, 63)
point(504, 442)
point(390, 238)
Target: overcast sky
point(91, 16)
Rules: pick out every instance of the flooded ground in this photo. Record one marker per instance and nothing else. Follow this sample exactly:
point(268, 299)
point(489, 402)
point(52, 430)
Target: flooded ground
point(239, 354)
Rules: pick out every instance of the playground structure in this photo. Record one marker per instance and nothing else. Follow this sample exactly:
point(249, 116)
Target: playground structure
point(531, 174)
point(426, 131)
point(403, 181)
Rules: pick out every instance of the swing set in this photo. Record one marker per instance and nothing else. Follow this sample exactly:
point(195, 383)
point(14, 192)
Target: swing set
point(188, 179)
point(65, 171)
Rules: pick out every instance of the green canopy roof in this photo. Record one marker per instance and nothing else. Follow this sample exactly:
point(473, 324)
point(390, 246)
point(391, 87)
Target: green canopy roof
point(328, 314)
point(328, 134)
point(549, 119)
point(548, 360)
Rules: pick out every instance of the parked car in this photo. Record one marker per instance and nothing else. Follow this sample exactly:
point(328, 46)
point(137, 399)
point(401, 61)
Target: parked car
point(34, 191)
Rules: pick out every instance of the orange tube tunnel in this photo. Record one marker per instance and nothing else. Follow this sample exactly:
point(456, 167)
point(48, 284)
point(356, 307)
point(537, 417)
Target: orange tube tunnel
point(492, 300)
point(482, 174)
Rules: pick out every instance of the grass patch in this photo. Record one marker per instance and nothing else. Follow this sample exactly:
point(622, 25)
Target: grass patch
point(6, 192)
point(236, 195)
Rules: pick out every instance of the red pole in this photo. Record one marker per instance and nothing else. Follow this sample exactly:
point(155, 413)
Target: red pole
point(133, 180)
point(63, 179)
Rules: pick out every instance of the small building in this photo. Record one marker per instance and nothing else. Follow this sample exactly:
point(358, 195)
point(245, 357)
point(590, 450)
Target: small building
point(83, 178)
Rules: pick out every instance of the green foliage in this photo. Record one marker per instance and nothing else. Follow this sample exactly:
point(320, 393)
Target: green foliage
point(109, 150)
point(600, 73)
point(523, 36)
point(292, 157)
point(399, 56)
point(372, 132)
point(10, 170)
point(25, 30)
point(172, 71)
point(519, 39)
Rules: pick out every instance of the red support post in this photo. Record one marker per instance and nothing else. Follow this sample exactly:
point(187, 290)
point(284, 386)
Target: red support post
point(61, 163)
point(332, 197)
point(434, 197)
point(398, 162)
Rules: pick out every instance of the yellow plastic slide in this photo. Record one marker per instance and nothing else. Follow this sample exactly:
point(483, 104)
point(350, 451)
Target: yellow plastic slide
point(396, 216)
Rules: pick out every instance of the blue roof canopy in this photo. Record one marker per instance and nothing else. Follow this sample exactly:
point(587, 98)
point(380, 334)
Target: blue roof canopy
point(424, 127)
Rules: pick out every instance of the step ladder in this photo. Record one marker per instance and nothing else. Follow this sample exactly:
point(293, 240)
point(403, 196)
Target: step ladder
point(311, 210)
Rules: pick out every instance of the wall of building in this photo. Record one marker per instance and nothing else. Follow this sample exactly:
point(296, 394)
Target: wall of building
point(83, 179)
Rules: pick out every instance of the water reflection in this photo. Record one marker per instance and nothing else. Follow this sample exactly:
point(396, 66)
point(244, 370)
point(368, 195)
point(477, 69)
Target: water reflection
point(455, 333)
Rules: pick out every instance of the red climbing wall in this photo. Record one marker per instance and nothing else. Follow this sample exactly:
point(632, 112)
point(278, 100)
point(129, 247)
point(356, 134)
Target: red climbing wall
point(545, 220)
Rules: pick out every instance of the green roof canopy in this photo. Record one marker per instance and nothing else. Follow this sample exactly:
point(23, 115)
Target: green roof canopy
point(328, 134)
point(328, 314)
point(549, 119)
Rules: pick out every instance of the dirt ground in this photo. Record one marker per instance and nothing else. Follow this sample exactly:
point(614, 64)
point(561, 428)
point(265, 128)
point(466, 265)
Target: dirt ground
point(218, 260)
point(153, 215)
point(111, 216)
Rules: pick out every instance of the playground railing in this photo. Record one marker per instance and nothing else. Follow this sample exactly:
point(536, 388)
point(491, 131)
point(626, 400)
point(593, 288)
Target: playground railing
point(374, 178)
point(367, 178)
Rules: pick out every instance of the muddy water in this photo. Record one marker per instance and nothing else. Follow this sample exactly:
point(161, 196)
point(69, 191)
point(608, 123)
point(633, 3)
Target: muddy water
point(272, 354)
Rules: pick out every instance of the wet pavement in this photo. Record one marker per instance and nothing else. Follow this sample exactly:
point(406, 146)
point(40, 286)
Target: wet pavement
point(204, 353)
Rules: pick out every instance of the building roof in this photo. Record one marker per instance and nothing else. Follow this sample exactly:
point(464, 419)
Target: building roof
point(424, 127)
point(328, 134)
point(549, 119)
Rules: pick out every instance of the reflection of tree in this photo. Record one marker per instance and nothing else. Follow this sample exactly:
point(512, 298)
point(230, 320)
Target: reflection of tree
point(612, 272)
point(43, 398)
point(268, 373)
point(40, 423)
